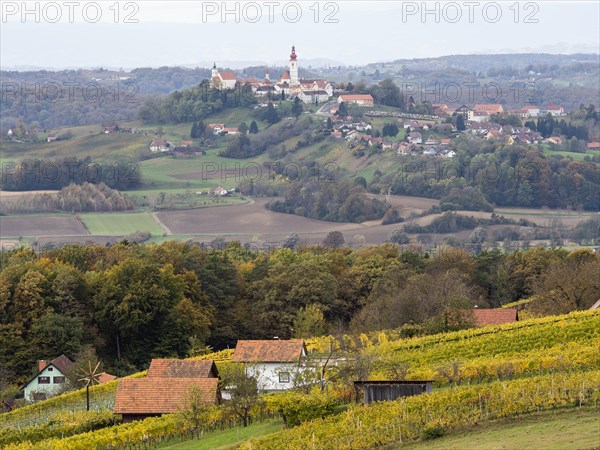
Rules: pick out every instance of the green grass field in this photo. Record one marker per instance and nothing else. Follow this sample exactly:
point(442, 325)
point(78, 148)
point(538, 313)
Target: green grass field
point(118, 224)
point(221, 440)
point(566, 430)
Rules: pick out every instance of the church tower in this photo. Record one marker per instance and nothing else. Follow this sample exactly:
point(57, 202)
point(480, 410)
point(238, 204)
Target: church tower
point(267, 77)
point(215, 72)
point(293, 68)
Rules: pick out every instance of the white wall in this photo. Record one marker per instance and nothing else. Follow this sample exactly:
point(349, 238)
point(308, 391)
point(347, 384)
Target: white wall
point(267, 375)
point(49, 389)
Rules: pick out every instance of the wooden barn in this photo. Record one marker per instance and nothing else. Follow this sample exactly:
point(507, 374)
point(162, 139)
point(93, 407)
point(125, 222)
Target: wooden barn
point(380, 391)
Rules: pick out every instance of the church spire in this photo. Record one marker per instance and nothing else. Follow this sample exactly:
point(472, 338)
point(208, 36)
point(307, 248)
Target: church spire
point(293, 55)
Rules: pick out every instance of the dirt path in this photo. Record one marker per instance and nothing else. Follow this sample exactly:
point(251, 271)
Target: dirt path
point(164, 227)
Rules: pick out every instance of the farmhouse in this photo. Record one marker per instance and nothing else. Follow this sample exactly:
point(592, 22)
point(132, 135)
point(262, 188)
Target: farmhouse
point(165, 388)
point(50, 379)
point(160, 145)
point(274, 363)
point(356, 99)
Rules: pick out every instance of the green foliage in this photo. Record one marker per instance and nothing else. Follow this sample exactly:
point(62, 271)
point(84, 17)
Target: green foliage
point(296, 408)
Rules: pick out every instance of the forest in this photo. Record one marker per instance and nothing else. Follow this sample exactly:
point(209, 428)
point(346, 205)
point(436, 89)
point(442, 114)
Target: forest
point(131, 302)
point(506, 175)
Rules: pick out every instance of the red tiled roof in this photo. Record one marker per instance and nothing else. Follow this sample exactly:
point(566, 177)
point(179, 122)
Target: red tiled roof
point(182, 368)
point(227, 75)
point(106, 377)
point(495, 316)
point(355, 97)
point(160, 395)
point(269, 351)
point(490, 108)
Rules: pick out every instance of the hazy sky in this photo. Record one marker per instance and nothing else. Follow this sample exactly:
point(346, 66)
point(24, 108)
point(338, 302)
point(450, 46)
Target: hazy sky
point(156, 33)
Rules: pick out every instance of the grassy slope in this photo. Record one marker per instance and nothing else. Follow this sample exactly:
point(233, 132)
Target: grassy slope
point(221, 440)
point(567, 429)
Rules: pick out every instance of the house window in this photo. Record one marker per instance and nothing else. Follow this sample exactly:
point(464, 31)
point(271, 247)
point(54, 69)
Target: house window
point(50, 369)
point(59, 380)
point(284, 377)
point(43, 380)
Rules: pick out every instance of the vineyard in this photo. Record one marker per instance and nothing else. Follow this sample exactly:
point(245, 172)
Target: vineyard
point(412, 418)
point(480, 374)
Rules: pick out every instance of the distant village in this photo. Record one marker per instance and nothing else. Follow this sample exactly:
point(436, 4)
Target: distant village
point(428, 135)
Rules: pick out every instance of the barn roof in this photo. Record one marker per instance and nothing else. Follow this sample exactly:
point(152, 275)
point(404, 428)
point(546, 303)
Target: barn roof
point(161, 395)
point(269, 351)
point(495, 316)
point(179, 368)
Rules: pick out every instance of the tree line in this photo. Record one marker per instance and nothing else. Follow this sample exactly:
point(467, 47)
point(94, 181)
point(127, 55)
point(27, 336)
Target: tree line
point(132, 302)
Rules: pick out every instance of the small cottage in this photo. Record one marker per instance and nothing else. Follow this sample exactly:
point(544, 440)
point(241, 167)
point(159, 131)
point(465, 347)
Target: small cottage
point(50, 379)
point(166, 387)
point(274, 363)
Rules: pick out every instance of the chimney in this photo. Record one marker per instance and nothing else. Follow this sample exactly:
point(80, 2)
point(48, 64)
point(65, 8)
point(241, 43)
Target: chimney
point(42, 363)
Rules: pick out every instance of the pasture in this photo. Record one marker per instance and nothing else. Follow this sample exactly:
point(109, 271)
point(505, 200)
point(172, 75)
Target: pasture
point(120, 224)
point(41, 225)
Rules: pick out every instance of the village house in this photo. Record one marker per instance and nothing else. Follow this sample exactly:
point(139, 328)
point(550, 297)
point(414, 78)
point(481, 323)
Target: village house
point(356, 99)
point(274, 363)
point(51, 138)
point(160, 145)
point(51, 379)
point(165, 388)
point(220, 192)
point(478, 116)
point(554, 110)
point(488, 108)
point(593, 146)
point(414, 137)
point(440, 109)
point(216, 128)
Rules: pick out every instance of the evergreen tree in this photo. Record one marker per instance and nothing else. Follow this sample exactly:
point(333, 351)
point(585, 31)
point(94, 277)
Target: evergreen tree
point(460, 123)
point(253, 127)
point(297, 108)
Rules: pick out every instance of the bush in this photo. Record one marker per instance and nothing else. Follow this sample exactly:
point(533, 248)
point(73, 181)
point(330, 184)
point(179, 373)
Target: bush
point(433, 432)
point(296, 408)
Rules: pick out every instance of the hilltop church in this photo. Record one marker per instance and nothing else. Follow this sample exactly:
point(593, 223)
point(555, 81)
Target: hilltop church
point(289, 85)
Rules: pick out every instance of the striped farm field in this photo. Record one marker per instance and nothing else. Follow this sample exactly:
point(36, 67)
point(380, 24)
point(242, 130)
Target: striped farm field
point(120, 224)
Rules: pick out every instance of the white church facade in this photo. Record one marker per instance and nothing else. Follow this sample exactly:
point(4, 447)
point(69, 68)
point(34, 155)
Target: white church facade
point(289, 85)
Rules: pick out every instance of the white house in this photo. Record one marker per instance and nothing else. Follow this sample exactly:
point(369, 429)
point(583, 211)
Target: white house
point(555, 110)
point(50, 379)
point(159, 145)
point(274, 363)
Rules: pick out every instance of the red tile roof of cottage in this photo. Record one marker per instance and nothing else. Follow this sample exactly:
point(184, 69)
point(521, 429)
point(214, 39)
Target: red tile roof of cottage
point(160, 395)
point(105, 378)
point(269, 351)
point(495, 316)
point(180, 368)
